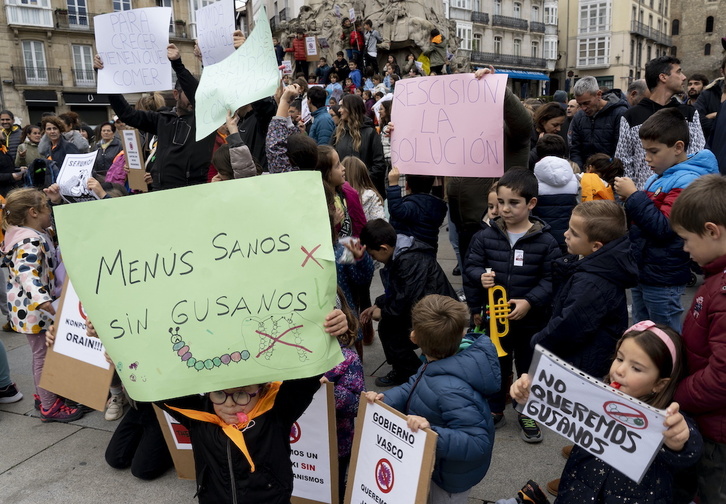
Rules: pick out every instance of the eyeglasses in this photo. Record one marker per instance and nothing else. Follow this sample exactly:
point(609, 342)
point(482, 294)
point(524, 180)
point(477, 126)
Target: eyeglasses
point(240, 397)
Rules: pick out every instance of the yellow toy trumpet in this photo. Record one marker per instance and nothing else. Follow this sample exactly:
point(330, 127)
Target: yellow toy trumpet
point(496, 313)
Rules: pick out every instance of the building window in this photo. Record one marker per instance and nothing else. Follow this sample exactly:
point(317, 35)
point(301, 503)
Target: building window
point(517, 47)
point(535, 13)
point(594, 17)
point(497, 45)
point(675, 30)
point(121, 5)
point(34, 60)
point(550, 49)
point(476, 42)
point(674, 51)
point(77, 13)
point(709, 24)
point(535, 49)
point(463, 31)
point(651, 4)
point(517, 10)
point(461, 4)
point(632, 52)
point(83, 65)
point(593, 51)
point(168, 3)
point(707, 50)
point(648, 53)
point(497, 7)
point(550, 15)
point(650, 20)
point(659, 25)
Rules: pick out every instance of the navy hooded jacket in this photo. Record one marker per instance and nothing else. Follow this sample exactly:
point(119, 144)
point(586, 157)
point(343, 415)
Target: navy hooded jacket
point(417, 215)
point(451, 394)
point(590, 310)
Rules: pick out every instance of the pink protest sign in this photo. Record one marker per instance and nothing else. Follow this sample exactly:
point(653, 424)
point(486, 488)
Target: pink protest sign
point(449, 125)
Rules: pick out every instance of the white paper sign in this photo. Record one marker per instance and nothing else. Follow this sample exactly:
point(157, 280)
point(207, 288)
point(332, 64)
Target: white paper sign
point(132, 45)
point(73, 177)
point(351, 14)
point(71, 339)
point(618, 429)
point(132, 150)
point(215, 24)
point(286, 67)
point(310, 443)
point(179, 433)
point(390, 459)
point(311, 48)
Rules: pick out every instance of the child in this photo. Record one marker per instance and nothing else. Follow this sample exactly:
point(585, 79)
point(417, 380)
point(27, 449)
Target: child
point(699, 218)
point(349, 87)
point(492, 204)
point(378, 85)
point(334, 89)
point(355, 75)
point(357, 176)
point(347, 200)
point(557, 195)
point(599, 177)
point(241, 436)
point(30, 256)
point(648, 365)
point(410, 272)
point(297, 48)
point(664, 268)
point(448, 395)
point(420, 214)
point(519, 250)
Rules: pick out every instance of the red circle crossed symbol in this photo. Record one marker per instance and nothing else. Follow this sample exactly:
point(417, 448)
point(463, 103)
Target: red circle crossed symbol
point(626, 414)
point(295, 433)
point(384, 476)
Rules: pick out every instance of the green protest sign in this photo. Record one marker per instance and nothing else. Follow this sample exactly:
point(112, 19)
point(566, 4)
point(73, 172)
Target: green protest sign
point(207, 287)
point(249, 74)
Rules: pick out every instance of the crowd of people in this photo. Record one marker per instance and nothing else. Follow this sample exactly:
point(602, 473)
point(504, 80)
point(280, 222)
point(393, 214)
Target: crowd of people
point(606, 193)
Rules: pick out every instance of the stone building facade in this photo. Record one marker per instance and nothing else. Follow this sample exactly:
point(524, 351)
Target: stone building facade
point(697, 27)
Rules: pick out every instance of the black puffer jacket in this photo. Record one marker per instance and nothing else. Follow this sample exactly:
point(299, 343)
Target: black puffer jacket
point(709, 102)
point(417, 215)
point(555, 210)
point(599, 133)
point(104, 158)
point(223, 473)
point(411, 274)
point(531, 281)
point(180, 160)
point(590, 310)
point(370, 152)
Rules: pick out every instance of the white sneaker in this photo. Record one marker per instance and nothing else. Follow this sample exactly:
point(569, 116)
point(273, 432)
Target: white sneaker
point(115, 407)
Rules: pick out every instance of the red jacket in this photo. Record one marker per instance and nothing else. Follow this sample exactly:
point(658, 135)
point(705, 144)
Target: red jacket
point(703, 392)
point(298, 49)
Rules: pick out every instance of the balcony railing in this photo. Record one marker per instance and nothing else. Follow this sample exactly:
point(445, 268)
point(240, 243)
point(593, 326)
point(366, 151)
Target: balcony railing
point(83, 77)
point(650, 33)
point(73, 21)
point(37, 76)
point(30, 16)
point(480, 17)
point(507, 59)
point(509, 22)
point(536, 26)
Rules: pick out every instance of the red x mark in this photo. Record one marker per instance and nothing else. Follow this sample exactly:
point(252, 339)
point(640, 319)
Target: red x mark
point(279, 340)
point(310, 256)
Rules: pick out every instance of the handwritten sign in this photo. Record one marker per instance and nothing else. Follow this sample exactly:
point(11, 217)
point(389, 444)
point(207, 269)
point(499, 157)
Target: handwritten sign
point(618, 429)
point(449, 125)
point(73, 177)
point(252, 68)
point(132, 45)
point(211, 296)
point(215, 24)
point(314, 451)
point(390, 463)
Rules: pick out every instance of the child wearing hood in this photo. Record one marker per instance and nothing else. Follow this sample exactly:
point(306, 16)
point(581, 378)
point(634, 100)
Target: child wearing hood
point(558, 189)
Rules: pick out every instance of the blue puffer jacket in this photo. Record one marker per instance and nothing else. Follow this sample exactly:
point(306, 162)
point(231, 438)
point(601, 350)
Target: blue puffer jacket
point(658, 250)
point(323, 126)
point(417, 215)
point(450, 393)
point(590, 311)
point(531, 281)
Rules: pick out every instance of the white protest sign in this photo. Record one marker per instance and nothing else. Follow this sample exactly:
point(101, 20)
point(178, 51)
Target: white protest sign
point(390, 463)
point(132, 149)
point(215, 24)
point(311, 48)
point(351, 14)
point(71, 339)
point(73, 177)
point(250, 74)
point(618, 429)
point(286, 67)
point(314, 451)
point(132, 45)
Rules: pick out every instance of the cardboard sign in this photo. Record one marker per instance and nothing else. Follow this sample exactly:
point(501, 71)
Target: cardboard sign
point(211, 296)
point(73, 367)
point(132, 45)
point(311, 49)
point(179, 444)
point(449, 125)
point(134, 159)
point(215, 24)
point(389, 463)
point(314, 451)
point(73, 177)
point(250, 74)
point(618, 429)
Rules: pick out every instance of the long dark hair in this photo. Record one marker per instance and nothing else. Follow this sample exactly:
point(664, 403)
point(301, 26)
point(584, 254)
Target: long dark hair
point(353, 124)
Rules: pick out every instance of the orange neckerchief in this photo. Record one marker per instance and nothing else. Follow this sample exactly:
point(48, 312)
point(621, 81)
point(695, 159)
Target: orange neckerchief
point(437, 39)
point(234, 432)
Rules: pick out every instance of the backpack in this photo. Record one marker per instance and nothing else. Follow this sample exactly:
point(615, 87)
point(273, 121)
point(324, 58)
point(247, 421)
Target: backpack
point(42, 173)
